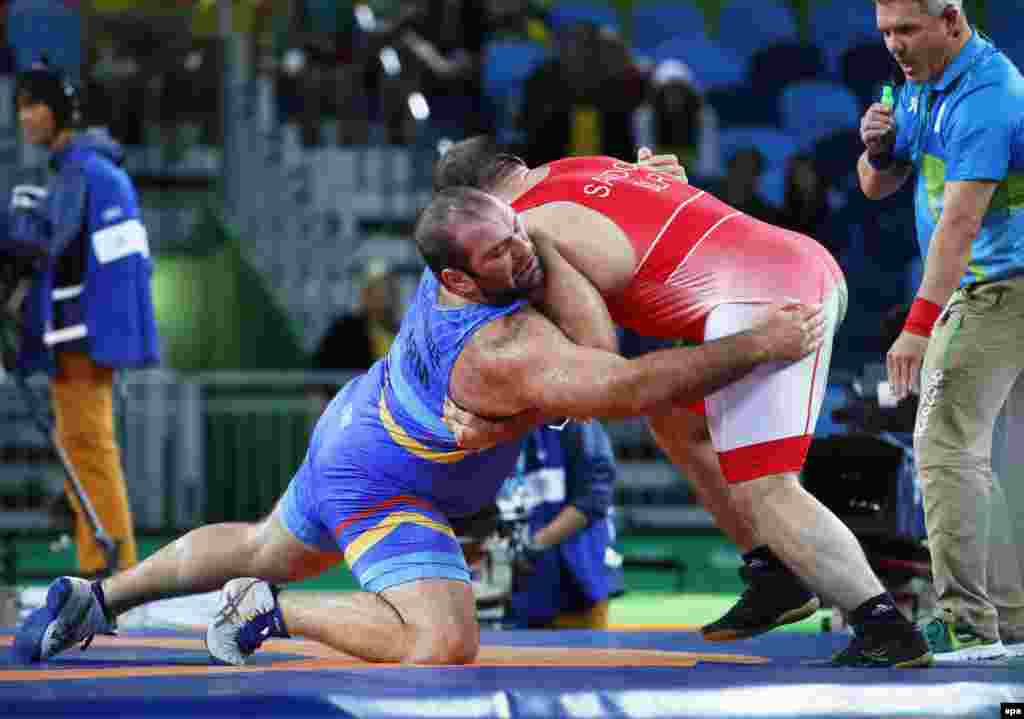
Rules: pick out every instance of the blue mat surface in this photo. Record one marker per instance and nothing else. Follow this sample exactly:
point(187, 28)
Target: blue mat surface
point(520, 674)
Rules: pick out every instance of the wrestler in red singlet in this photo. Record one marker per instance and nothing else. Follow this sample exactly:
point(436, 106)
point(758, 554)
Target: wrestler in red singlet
point(695, 254)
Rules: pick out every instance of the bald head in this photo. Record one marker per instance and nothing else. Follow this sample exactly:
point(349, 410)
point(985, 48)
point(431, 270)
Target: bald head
point(446, 218)
point(477, 247)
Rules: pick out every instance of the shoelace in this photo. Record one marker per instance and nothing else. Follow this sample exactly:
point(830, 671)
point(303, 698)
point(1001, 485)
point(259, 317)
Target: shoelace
point(230, 614)
point(87, 639)
point(230, 609)
point(110, 632)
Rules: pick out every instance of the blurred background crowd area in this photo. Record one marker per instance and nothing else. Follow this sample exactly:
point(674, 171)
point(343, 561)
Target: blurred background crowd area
point(283, 147)
point(311, 125)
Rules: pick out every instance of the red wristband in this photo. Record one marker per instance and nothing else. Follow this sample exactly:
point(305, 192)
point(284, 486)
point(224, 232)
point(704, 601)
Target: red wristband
point(921, 318)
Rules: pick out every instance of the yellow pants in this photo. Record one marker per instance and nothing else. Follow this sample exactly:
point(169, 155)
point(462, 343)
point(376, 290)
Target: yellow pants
point(83, 405)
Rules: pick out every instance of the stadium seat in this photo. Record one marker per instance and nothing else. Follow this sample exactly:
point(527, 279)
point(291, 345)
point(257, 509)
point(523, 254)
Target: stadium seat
point(740, 104)
point(655, 22)
point(1003, 21)
point(746, 26)
point(772, 68)
point(812, 110)
point(563, 14)
point(506, 65)
point(775, 145)
point(838, 25)
point(771, 186)
point(712, 66)
point(865, 68)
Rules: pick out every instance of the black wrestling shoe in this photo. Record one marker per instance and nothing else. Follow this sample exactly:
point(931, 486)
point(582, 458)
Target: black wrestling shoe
point(885, 644)
point(772, 599)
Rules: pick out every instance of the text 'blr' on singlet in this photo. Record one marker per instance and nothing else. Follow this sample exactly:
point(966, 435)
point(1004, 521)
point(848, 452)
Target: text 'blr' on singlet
point(417, 371)
point(693, 251)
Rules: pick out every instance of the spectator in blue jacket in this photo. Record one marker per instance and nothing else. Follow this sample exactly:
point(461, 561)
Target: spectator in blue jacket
point(90, 310)
point(563, 481)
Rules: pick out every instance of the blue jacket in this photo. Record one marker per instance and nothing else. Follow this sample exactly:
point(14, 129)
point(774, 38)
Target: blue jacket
point(93, 293)
point(574, 466)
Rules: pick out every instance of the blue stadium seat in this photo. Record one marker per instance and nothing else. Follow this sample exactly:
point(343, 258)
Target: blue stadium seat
point(563, 14)
point(775, 145)
point(742, 105)
point(506, 66)
point(865, 68)
point(712, 66)
point(1003, 21)
point(772, 68)
point(771, 186)
point(655, 22)
point(812, 110)
point(746, 26)
point(838, 25)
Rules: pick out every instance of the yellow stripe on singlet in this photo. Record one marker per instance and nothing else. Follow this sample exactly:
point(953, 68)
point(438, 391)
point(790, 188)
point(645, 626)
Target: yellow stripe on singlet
point(386, 526)
point(403, 440)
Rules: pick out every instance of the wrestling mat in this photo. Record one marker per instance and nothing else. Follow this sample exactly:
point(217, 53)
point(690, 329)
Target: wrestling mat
point(166, 673)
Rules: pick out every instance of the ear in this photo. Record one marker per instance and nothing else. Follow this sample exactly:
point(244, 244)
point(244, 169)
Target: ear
point(458, 282)
point(951, 16)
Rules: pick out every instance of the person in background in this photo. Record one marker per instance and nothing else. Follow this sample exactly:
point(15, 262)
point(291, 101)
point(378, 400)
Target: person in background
point(563, 482)
point(805, 206)
point(90, 311)
point(676, 120)
point(958, 121)
point(739, 186)
point(581, 102)
point(354, 341)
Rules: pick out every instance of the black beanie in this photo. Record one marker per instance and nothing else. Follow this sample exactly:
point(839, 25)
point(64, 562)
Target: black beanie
point(49, 86)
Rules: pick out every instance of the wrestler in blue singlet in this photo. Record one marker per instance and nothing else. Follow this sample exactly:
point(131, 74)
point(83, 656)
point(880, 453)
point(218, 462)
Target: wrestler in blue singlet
point(383, 474)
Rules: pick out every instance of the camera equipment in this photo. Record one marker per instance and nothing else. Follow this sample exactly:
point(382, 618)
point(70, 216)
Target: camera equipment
point(16, 276)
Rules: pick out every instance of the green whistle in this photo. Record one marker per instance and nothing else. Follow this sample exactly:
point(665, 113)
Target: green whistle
point(887, 98)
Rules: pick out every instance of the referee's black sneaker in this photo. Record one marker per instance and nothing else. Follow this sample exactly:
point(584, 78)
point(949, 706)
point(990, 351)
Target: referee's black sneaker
point(774, 597)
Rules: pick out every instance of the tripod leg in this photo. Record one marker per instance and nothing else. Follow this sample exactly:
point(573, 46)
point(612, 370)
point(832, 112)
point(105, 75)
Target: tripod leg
point(107, 545)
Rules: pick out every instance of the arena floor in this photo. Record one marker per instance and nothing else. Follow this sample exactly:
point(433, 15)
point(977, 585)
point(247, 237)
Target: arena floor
point(154, 671)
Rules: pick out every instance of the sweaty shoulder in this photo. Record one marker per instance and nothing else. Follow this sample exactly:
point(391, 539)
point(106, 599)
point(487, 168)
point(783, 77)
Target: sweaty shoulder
point(483, 379)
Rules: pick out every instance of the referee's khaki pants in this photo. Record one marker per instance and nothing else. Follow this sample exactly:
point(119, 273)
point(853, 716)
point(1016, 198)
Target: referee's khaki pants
point(973, 363)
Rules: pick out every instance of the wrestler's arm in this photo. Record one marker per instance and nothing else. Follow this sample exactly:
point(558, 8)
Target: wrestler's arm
point(570, 300)
point(572, 303)
point(523, 362)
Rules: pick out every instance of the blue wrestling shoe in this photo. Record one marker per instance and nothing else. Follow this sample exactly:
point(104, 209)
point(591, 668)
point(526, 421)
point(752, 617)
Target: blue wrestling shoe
point(72, 614)
point(247, 615)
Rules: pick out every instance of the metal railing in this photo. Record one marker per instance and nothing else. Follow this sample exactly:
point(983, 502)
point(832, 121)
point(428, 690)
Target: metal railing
point(222, 446)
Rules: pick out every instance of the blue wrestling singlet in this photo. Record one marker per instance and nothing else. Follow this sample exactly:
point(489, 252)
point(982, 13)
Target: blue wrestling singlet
point(383, 474)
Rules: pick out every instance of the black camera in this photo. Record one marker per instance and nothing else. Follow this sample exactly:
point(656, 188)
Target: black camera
point(17, 271)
